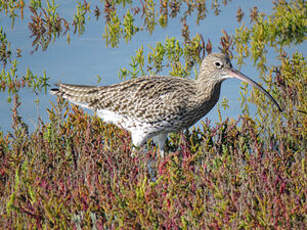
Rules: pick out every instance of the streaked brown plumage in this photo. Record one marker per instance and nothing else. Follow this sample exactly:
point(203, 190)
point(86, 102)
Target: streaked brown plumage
point(154, 106)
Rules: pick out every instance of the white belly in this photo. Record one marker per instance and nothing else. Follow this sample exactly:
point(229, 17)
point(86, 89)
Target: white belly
point(140, 130)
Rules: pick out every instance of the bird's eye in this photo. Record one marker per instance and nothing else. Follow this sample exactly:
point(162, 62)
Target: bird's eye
point(218, 64)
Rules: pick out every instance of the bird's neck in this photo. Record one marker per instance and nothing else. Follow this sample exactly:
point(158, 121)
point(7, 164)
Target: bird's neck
point(208, 93)
point(208, 90)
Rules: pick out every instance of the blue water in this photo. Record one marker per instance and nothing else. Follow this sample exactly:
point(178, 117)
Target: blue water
point(87, 56)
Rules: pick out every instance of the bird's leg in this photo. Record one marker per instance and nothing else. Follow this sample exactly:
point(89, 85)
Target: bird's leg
point(138, 140)
point(159, 140)
point(134, 150)
point(152, 168)
point(183, 140)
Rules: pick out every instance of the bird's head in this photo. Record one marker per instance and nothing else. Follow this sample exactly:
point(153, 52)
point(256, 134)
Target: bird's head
point(217, 67)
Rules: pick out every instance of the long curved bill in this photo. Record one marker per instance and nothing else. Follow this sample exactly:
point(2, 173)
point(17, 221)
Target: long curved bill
point(233, 73)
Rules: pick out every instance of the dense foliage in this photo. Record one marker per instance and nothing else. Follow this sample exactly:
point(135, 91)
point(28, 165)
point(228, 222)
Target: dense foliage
point(76, 172)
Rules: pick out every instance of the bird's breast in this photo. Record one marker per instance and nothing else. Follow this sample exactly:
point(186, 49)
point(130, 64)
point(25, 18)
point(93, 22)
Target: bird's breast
point(202, 104)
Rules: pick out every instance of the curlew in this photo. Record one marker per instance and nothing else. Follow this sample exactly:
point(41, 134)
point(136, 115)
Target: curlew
point(153, 106)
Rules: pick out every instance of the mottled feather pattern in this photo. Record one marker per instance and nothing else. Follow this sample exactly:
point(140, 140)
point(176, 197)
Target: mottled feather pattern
point(149, 99)
point(152, 106)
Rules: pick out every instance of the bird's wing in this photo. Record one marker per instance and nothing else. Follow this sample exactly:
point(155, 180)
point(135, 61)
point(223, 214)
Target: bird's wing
point(147, 98)
point(83, 95)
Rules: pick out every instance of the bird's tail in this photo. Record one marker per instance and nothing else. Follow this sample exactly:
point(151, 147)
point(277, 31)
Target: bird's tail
point(78, 94)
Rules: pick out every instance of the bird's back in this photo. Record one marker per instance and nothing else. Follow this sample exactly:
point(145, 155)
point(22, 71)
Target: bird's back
point(152, 100)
